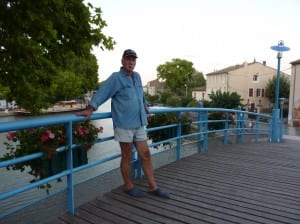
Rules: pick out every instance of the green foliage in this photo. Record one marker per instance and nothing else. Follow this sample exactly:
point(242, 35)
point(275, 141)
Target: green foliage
point(152, 100)
point(4, 91)
point(226, 100)
point(197, 80)
point(46, 140)
point(164, 96)
point(180, 78)
point(284, 88)
point(68, 86)
point(43, 40)
point(167, 119)
point(219, 120)
point(177, 75)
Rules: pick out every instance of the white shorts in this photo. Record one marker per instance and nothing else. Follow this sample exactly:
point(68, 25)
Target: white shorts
point(130, 135)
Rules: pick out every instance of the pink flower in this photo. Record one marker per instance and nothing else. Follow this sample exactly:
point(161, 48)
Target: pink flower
point(51, 135)
point(101, 129)
point(44, 138)
point(10, 136)
point(80, 131)
point(48, 135)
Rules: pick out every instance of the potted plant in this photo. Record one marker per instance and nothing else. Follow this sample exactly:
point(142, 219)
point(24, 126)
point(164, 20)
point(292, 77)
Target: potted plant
point(47, 140)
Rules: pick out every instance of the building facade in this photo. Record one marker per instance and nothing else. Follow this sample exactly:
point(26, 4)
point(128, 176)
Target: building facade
point(294, 98)
point(249, 80)
point(199, 93)
point(154, 87)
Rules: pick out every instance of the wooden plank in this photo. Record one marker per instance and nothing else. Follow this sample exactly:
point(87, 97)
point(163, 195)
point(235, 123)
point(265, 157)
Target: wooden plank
point(72, 219)
point(103, 214)
point(90, 217)
point(109, 205)
point(228, 204)
point(169, 208)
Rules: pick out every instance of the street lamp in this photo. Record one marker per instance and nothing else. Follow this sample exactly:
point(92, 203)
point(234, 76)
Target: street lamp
point(275, 133)
point(279, 48)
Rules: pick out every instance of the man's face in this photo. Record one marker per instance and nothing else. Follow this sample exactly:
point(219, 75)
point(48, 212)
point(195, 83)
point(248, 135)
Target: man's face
point(128, 64)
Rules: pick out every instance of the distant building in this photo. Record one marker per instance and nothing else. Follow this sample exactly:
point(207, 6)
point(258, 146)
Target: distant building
point(294, 98)
point(199, 93)
point(154, 87)
point(249, 80)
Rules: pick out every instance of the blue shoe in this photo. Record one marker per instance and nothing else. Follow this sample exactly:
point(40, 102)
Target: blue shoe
point(135, 192)
point(160, 193)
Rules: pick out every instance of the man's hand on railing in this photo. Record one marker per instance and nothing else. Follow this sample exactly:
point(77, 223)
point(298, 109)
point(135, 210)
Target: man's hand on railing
point(86, 113)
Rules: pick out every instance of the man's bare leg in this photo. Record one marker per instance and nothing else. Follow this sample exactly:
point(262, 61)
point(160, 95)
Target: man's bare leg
point(126, 151)
point(144, 153)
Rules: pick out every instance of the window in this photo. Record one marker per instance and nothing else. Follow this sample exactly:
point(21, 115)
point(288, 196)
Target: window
point(250, 92)
point(255, 77)
point(258, 92)
point(262, 92)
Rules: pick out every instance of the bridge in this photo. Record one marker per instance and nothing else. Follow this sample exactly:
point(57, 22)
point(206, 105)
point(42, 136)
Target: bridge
point(234, 174)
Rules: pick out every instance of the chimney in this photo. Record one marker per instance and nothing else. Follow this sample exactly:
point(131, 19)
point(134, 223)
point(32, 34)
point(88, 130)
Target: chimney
point(264, 63)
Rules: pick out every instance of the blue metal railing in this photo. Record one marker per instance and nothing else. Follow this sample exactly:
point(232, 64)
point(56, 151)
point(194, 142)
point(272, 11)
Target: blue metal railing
point(232, 123)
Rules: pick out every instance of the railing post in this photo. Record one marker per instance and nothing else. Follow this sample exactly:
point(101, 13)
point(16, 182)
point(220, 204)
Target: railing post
point(281, 129)
point(199, 129)
point(70, 187)
point(226, 129)
point(240, 126)
point(256, 128)
point(136, 168)
point(275, 126)
point(202, 128)
point(205, 119)
point(281, 119)
point(179, 131)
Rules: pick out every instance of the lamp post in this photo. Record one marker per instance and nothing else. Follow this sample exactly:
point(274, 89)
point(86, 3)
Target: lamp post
point(279, 48)
point(281, 100)
point(186, 87)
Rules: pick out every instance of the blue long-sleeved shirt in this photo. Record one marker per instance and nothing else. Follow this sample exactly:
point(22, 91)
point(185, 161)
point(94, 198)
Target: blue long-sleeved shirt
point(127, 99)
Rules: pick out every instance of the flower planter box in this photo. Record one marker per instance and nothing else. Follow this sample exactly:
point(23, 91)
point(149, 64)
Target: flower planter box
point(58, 162)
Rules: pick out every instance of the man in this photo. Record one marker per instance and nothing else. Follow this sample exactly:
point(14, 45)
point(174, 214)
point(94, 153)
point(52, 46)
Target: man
point(129, 115)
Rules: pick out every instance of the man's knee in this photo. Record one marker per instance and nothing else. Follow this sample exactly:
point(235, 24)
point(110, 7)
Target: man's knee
point(146, 155)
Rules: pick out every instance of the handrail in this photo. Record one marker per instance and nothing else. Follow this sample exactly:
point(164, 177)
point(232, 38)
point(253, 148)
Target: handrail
point(204, 132)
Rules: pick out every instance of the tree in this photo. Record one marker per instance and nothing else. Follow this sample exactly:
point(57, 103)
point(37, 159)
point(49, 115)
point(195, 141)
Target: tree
point(177, 75)
point(42, 41)
point(226, 100)
point(197, 80)
point(284, 88)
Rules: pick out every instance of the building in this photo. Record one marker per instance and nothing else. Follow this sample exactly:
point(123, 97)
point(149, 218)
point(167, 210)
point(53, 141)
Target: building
point(294, 98)
point(199, 93)
point(249, 80)
point(154, 87)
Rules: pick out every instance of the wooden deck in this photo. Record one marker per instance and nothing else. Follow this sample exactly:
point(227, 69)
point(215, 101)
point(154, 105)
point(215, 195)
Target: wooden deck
point(253, 183)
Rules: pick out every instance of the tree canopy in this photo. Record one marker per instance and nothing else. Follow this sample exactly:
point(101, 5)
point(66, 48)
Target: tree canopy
point(284, 88)
point(47, 41)
point(176, 74)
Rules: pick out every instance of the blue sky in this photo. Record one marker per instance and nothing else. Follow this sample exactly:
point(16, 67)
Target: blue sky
point(212, 34)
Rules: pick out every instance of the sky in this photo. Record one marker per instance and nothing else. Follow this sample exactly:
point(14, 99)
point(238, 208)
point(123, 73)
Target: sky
point(212, 34)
